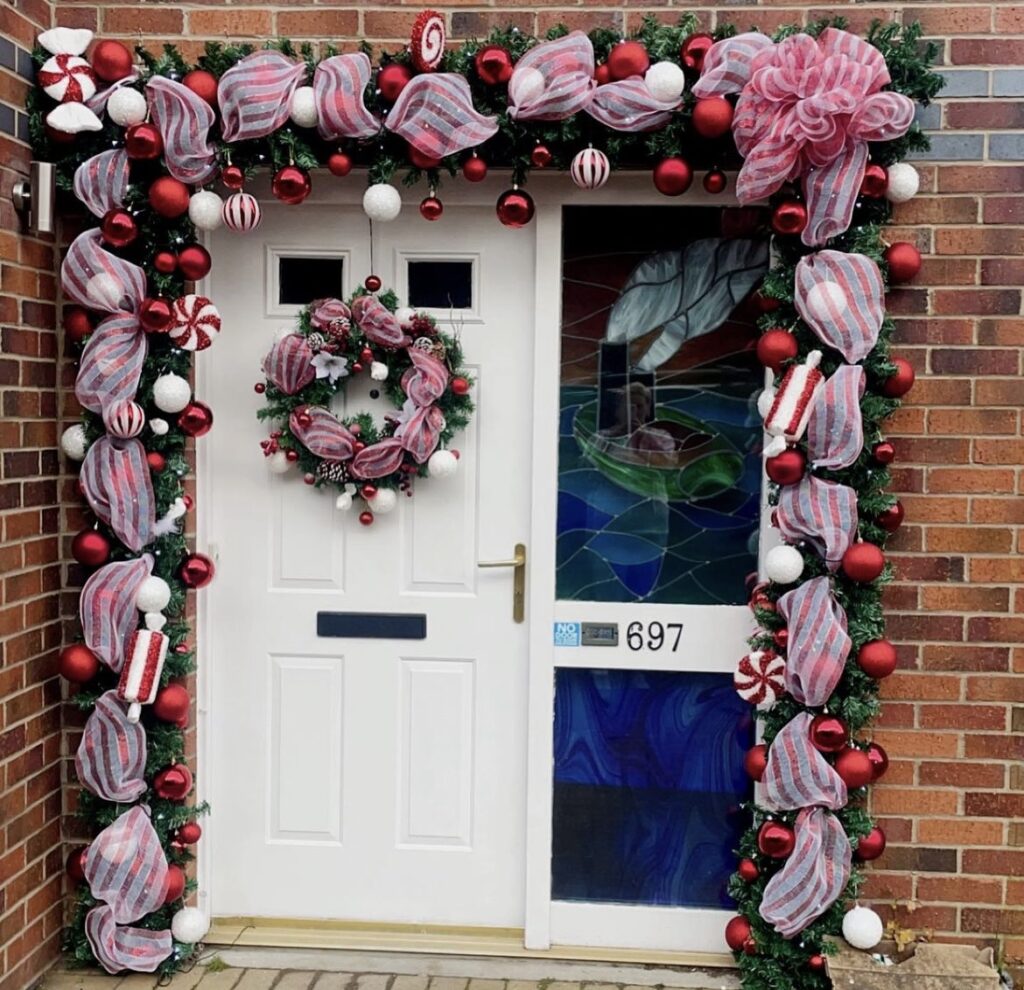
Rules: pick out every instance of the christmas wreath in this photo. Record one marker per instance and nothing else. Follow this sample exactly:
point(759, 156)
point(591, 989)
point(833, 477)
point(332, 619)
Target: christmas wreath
point(416, 366)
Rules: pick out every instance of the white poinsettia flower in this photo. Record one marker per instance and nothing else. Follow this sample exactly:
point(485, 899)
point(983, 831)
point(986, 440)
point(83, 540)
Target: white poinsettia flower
point(330, 366)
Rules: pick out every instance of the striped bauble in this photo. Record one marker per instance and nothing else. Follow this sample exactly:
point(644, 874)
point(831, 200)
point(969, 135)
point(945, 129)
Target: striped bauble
point(124, 419)
point(590, 168)
point(194, 324)
point(242, 213)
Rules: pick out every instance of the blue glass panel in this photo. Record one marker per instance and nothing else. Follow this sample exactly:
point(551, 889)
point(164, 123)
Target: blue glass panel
point(647, 787)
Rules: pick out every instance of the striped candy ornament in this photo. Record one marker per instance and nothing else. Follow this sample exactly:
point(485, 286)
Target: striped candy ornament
point(791, 408)
point(760, 677)
point(67, 78)
point(124, 419)
point(140, 676)
point(590, 168)
point(241, 213)
point(428, 40)
point(194, 323)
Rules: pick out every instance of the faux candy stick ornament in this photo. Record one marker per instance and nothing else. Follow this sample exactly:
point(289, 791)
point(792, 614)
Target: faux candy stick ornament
point(791, 407)
point(144, 662)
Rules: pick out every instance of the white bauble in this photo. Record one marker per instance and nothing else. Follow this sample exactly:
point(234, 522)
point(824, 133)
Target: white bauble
point(862, 928)
point(826, 300)
point(171, 393)
point(126, 106)
point(404, 315)
point(154, 595)
point(382, 202)
point(302, 109)
point(105, 291)
point(783, 564)
point(278, 462)
point(378, 371)
point(384, 501)
point(73, 442)
point(343, 502)
point(159, 426)
point(206, 210)
point(904, 182)
point(442, 464)
point(527, 84)
point(666, 81)
point(189, 926)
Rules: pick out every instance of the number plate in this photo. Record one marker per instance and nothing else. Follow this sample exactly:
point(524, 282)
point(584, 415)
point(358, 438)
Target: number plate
point(654, 636)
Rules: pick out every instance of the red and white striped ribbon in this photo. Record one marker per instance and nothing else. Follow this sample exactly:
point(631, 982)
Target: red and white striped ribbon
point(339, 83)
point(288, 366)
point(101, 181)
point(378, 322)
point(116, 480)
point(111, 363)
point(87, 259)
point(831, 192)
point(107, 609)
point(822, 512)
point(111, 757)
point(727, 64)
point(835, 430)
point(426, 380)
point(796, 774)
point(184, 120)
point(255, 95)
point(629, 105)
point(324, 436)
point(420, 433)
point(553, 80)
point(120, 947)
point(379, 459)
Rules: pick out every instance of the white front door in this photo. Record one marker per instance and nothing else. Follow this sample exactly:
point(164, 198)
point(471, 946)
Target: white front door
point(361, 778)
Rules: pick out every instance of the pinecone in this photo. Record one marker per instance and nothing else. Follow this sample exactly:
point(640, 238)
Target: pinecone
point(333, 471)
point(338, 329)
point(431, 345)
point(317, 341)
point(422, 324)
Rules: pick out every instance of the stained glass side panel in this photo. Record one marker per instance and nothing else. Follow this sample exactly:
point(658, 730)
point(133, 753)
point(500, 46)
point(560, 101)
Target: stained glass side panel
point(648, 785)
point(659, 477)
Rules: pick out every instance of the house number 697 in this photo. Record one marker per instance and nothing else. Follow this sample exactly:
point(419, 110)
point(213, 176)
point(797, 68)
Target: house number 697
point(658, 636)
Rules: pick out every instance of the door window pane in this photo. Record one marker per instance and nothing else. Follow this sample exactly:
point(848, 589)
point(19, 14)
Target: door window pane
point(441, 284)
point(659, 475)
point(301, 280)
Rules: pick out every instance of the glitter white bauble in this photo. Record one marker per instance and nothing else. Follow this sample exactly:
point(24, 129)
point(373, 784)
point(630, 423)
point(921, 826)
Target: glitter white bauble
point(278, 462)
point(205, 210)
point(154, 595)
point(126, 106)
point(666, 81)
point(404, 315)
point(302, 109)
point(73, 442)
point(343, 502)
point(590, 168)
point(158, 426)
point(105, 291)
point(526, 85)
point(442, 464)
point(171, 393)
point(384, 501)
point(826, 300)
point(862, 928)
point(904, 182)
point(378, 371)
point(189, 926)
point(382, 202)
point(783, 564)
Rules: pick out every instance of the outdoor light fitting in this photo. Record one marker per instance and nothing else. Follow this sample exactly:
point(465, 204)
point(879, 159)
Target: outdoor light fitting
point(34, 197)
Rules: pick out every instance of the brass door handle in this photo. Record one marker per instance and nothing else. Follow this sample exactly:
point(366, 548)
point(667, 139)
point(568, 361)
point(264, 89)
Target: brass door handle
point(518, 562)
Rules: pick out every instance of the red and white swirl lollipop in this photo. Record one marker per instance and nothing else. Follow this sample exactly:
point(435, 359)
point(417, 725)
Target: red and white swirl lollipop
point(195, 322)
point(760, 677)
point(67, 78)
point(428, 40)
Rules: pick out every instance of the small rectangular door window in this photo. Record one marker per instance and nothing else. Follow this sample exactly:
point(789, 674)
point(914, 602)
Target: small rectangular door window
point(301, 280)
point(441, 284)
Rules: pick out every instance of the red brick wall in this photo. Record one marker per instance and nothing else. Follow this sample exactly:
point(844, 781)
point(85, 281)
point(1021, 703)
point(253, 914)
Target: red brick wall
point(953, 802)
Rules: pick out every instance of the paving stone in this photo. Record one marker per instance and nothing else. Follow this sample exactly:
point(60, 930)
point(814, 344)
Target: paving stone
point(257, 979)
point(448, 983)
point(409, 983)
point(63, 979)
point(294, 980)
point(223, 979)
point(140, 981)
point(373, 981)
point(560, 985)
point(485, 985)
point(185, 980)
point(521, 985)
point(337, 981)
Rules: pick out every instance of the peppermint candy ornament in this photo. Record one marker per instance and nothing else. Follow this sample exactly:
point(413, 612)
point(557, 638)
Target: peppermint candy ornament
point(124, 419)
point(590, 168)
point(242, 213)
point(760, 678)
point(67, 79)
point(428, 40)
point(194, 323)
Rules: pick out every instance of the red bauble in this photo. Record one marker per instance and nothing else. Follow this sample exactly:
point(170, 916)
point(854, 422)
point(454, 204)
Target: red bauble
point(233, 177)
point(155, 314)
point(541, 156)
point(737, 931)
point(339, 164)
point(875, 182)
point(879, 760)
point(194, 262)
point(78, 664)
point(781, 638)
point(74, 865)
point(672, 176)
point(816, 962)
point(172, 703)
point(786, 468)
point(366, 518)
point(712, 116)
point(863, 562)
point(165, 262)
point(750, 946)
point(173, 783)
point(715, 181)
point(601, 75)
point(59, 137)
point(196, 571)
point(392, 79)
point(368, 491)
point(884, 452)
point(872, 845)
point(291, 185)
point(460, 386)
point(755, 761)
point(474, 169)
point(372, 283)
point(90, 548)
point(775, 347)
point(767, 304)
point(168, 197)
point(877, 659)
point(748, 870)
point(111, 61)
point(203, 84)
point(828, 733)
point(901, 381)
point(776, 840)
point(174, 885)
point(892, 518)
point(118, 228)
point(156, 461)
point(196, 419)
point(628, 58)
point(789, 217)
point(515, 208)
point(493, 65)
point(904, 261)
point(189, 834)
point(76, 323)
point(694, 49)
point(431, 208)
point(366, 356)
point(421, 160)
point(143, 141)
point(855, 767)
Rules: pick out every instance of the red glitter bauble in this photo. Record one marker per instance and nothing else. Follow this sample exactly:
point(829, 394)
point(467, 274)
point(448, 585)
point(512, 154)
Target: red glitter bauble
point(74, 865)
point(291, 185)
point(372, 283)
point(875, 182)
point(748, 870)
point(891, 519)
point(884, 452)
point(755, 761)
point(392, 79)
point(78, 664)
point(493, 65)
point(194, 262)
point(165, 262)
point(775, 347)
point(203, 84)
point(173, 783)
point(77, 324)
point(904, 261)
point(628, 58)
point(156, 461)
point(171, 703)
point(863, 562)
point(786, 468)
point(111, 61)
point(871, 846)
point(828, 733)
point(879, 760)
point(715, 181)
point(90, 548)
point(431, 208)
point(118, 228)
point(168, 197)
point(541, 156)
point(694, 49)
point(877, 658)
point(196, 419)
point(460, 386)
point(776, 840)
point(781, 638)
point(737, 931)
point(155, 314)
point(196, 571)
point(339, 164)
point(421, 160)
point(189, 834)
point(233, 177)
point(174, 885)
point(901, 381)
point(474, 169)
point(712, 117)
point(855, 767)
point(515, 208)
point(789, 217)
point(366, 518)
point(672, 176)
point(143, 142)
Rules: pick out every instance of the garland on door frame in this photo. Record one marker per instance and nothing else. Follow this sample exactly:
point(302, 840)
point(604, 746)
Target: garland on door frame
point(819, 119)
